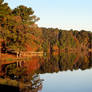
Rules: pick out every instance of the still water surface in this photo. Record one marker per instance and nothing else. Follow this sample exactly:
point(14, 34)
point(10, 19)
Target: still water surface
point(75, 81)
point(67, 72)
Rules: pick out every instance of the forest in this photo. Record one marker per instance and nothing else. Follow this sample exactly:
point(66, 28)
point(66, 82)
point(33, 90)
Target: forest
point(20, 33)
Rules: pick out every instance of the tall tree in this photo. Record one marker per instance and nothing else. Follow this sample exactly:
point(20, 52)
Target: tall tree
point(1, 1)
point(26, 14)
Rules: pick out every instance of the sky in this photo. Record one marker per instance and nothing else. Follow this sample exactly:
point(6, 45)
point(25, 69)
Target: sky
point(63, 14)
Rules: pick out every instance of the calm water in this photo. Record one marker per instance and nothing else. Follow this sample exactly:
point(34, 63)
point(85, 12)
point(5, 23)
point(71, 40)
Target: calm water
point(76, 81)
point(67, 72)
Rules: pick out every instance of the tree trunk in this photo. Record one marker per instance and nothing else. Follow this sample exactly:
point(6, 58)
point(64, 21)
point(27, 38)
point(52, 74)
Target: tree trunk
point(17, 54)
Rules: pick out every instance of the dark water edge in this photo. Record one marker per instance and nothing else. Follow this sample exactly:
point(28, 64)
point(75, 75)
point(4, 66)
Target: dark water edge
point(6, 88)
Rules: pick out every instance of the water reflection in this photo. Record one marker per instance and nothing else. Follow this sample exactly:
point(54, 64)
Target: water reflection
point(66, 61)
point(24, 75)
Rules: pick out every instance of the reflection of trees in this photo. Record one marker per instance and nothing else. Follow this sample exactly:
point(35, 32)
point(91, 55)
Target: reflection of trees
point(66, 61)
point(49, 65)
point(27, 82)
point(26, 76)
point(36, 84)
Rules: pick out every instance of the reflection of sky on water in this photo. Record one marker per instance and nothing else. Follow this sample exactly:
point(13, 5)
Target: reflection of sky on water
point(70, 81)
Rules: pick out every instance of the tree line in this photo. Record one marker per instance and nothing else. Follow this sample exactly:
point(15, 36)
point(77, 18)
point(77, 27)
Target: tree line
point(67, 40)
point(19, 32)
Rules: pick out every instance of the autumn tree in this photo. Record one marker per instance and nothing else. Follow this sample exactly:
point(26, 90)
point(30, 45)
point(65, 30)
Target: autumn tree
point(15, 26)
point(26, 14)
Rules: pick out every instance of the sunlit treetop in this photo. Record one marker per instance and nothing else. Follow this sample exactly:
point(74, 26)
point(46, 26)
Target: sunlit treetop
point(26, 14)
point(1, 1)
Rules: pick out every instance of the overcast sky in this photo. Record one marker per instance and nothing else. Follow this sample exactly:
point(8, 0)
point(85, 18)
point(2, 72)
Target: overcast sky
point(64, 14)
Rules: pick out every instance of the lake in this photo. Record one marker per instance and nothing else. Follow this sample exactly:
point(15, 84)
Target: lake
point(67, 72)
